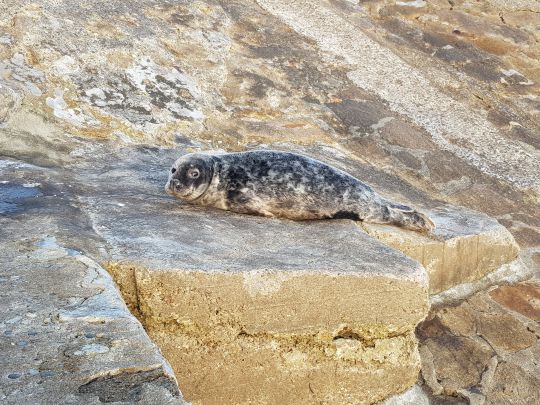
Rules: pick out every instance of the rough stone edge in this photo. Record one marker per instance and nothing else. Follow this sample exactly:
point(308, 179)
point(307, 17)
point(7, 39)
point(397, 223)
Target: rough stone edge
point(110, 294)
point(413, 396)
point(318, 339)
point(393, 239)
point(508, 273)
point(126, 274)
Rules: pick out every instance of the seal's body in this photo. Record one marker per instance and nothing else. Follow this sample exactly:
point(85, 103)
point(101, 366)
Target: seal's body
point(283, 184)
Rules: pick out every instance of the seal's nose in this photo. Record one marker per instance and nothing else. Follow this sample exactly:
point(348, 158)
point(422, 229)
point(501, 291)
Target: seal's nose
point(171, 184)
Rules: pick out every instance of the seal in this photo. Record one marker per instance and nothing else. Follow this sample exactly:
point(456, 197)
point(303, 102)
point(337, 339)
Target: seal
point(286, 185)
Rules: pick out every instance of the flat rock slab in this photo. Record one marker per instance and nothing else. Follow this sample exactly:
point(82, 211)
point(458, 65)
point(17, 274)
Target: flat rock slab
point(466, 246)
point(486, 349)
point(239, 292)
point(317, 311)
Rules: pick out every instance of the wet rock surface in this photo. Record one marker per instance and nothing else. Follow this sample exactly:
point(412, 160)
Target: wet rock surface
point(432, 103)
point(64, 325)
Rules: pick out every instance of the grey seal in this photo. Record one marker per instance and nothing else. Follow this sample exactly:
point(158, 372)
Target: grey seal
point(286, 185)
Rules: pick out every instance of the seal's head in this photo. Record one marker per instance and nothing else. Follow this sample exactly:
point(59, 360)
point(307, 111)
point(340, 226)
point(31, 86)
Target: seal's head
point(190, 176)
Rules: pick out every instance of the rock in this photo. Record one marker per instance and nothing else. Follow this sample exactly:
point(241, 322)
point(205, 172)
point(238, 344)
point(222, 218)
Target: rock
point(282, 316)
point(66, 334)
point(523, 298)
point(413, 396)
point(380, 71)
point(432, 103)
point(505, 332)
point(236, 291)
point(465, 246)
point(7, 103)
point(481, 351)
point(299, 304)
point(513, 272)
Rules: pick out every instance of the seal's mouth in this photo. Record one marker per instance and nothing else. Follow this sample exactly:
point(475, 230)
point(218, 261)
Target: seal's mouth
point(173, 189)
point(168, 189)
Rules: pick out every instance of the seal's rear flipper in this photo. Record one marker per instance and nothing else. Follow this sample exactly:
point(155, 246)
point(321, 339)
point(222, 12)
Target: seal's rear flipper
point(419, 222)
point(407, 217)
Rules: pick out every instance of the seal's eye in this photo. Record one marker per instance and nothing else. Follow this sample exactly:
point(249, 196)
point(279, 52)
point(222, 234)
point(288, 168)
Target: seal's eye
point(173, 170)
point(193, 173)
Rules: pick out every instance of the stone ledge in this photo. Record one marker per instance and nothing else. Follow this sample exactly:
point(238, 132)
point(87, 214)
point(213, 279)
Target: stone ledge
point(309, 337)
point(83, 348)
point(315, 309)
point(466, 246)
point(324, 290)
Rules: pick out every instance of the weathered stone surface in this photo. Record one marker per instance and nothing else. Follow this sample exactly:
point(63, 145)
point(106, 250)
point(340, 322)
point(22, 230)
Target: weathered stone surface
point(291, 367)
point(465, 246)
point(302, 291)
point(513, 272)
point(522, 298)
point(430, 102)
point(318, 311)
point(65, 333)
point(413, 396)
point(481, 351)
point(383, 73)
point(262, 257)
point(228, 287)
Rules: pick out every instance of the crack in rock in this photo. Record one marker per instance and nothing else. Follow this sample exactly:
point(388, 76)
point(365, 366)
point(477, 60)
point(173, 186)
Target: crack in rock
point(127, 385)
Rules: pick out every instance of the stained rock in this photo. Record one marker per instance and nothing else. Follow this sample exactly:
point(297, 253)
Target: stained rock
point(523, 298)
point(481, 351)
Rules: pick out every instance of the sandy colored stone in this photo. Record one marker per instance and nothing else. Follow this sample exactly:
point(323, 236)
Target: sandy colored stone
point(324, 325)
point(275, 305)
point(465, 246)
point(308, 301)
point(272, 369)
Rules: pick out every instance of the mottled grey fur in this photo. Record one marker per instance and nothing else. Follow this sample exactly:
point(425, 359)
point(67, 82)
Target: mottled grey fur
point(283, 184)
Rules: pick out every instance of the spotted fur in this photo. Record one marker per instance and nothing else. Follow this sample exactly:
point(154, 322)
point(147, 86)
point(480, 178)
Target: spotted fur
point(283, 184)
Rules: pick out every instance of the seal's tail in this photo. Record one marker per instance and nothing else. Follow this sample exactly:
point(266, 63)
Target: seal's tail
point(409, 218)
